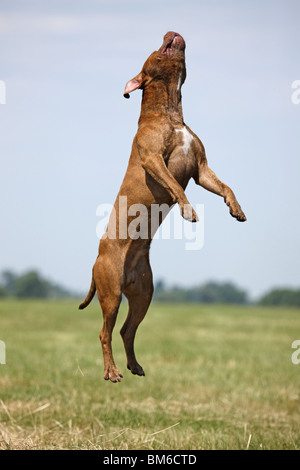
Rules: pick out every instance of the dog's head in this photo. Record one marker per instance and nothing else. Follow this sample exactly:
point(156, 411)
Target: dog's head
point(168, 63)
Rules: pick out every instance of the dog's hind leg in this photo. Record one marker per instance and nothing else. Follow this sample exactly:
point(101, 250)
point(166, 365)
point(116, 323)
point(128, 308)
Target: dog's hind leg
point(110, 307)
point(139, 294)
point(109, 291)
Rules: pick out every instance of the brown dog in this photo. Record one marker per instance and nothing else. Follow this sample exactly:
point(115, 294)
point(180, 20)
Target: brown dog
point(165, 155)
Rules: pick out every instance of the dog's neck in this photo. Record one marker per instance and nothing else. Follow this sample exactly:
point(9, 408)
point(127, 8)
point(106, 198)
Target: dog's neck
point(162, 98)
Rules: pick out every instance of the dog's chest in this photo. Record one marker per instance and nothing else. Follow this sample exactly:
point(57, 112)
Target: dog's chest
point(185, 139)
point(181, 162)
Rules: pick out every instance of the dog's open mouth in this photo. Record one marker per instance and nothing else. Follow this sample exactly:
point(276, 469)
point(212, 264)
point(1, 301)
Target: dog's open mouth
point(172, 41)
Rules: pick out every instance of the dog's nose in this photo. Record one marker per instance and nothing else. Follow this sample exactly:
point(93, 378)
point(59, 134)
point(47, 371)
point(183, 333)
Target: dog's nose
point(171, 35)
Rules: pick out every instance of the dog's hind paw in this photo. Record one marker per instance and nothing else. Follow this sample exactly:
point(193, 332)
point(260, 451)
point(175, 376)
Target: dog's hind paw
point(113, 375)
point(136, 369)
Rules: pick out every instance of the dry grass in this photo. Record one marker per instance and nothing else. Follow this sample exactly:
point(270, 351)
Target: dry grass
point(216, 378)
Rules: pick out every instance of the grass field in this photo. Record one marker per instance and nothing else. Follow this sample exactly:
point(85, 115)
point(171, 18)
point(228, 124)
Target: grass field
point(217, 377)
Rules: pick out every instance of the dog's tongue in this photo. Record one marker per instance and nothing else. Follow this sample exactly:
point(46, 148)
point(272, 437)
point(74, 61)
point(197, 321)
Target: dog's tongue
point(167, 44)
point(170, 39)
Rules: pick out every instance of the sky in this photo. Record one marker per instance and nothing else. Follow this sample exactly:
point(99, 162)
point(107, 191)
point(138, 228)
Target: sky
point(66, 134)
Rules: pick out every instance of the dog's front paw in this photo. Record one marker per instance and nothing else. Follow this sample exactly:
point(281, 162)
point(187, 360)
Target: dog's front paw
point(188, 213)
point(240, 216)
point(236, 211)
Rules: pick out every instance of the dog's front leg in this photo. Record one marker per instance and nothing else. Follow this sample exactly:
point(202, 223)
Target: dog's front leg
point(154, 164)
point(208, 180)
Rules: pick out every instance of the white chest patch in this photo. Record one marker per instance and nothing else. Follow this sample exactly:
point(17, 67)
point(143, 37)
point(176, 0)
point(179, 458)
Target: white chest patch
point(187, 139)
point(179, 83)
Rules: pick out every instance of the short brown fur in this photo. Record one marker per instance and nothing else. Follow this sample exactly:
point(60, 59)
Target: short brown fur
point(158, 172)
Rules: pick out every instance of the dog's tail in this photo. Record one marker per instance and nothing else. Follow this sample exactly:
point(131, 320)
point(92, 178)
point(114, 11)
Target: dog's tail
point(90, 295)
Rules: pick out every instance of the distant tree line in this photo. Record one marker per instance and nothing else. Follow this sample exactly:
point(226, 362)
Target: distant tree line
point(32, 284)
point(209, 293)
point(223, 293)
point(282, 297)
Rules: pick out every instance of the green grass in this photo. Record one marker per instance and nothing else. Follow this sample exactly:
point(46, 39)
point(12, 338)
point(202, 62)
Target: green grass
point(217, 377)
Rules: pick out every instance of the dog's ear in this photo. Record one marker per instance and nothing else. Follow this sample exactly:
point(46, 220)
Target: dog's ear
point(133, 84)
